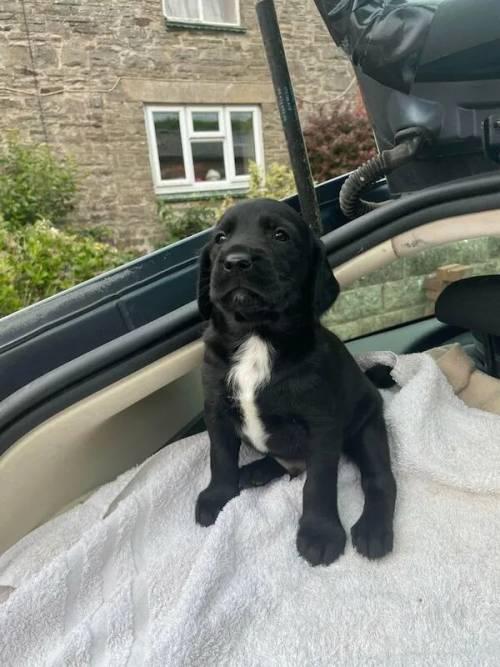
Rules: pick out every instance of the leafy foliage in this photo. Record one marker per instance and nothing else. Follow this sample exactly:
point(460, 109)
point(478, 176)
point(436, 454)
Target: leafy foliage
point(37, 257)
point(34, 184)
point(338, 141)
point(38, 260)
point(276, 183)
point(179, 224)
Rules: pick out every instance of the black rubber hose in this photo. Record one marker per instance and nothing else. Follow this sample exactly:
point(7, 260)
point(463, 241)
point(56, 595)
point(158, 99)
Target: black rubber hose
point(361, 180)
point(351, 204)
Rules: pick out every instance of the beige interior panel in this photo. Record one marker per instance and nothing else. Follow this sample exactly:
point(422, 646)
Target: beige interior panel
point(96, 439)
point(369, 261)
point(448, 230)
point(440, 232)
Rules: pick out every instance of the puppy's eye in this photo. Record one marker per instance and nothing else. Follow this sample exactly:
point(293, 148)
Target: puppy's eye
point(220, 237)
point(280, 235)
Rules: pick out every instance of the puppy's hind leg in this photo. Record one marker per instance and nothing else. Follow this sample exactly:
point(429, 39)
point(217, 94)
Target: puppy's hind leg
point(260, 472)
point(372, 535)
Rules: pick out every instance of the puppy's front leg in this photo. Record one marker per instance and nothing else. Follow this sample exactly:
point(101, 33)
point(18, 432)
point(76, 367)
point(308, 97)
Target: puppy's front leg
point(224, 453)
point(321, 537)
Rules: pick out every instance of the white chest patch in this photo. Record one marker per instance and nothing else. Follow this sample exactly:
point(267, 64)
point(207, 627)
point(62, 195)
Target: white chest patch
point(250, 372)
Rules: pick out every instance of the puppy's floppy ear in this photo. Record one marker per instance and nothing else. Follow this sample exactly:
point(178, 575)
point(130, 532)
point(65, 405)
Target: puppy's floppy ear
point(204, 303)
point(325, 286)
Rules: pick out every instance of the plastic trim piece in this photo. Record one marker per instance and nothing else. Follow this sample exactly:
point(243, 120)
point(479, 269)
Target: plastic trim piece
point(340, 249)
point(84, 375)
point(407, 244)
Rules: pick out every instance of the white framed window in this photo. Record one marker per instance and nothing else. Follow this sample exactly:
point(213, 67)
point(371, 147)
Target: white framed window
point(211, 12)
point(203, 148)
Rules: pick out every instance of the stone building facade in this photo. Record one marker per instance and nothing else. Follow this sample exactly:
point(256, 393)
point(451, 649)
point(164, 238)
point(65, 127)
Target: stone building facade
point(78, 74)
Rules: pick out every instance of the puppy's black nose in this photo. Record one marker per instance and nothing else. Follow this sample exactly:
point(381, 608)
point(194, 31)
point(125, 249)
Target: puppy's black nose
point(238, 261)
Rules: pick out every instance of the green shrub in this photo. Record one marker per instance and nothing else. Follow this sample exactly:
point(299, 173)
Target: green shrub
point(180, 223)
point(10, 300)
point(39, 260)
point(276, 183)
point(34, 184)
point(338, 142)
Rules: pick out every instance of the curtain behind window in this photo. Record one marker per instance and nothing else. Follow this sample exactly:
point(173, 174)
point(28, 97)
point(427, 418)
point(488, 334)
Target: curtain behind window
point(213, 11)
point(219, 11)
point(182, 9)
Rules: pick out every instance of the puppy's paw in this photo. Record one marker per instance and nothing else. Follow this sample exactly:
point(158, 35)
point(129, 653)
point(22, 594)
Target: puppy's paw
point(320, 541)
point(372, 537)
point(211, 501)
point(260, 472)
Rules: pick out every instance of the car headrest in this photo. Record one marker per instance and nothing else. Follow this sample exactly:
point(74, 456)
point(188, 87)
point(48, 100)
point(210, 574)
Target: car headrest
point(472, 303)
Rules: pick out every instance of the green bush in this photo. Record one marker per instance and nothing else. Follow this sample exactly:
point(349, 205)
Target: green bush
point(180, 223)
point(38, 260)
point(276, 183)
point(34, 184)
point(338, 142)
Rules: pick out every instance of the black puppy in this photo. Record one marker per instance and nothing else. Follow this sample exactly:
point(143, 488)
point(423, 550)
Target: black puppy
point(276, 379)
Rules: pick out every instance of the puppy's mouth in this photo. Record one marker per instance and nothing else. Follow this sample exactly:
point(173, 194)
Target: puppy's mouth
point(243, 298)
point(247, 295)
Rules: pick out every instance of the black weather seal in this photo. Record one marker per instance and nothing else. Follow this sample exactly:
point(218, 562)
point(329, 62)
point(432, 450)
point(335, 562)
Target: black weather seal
point(76, 370)
point(91, 307)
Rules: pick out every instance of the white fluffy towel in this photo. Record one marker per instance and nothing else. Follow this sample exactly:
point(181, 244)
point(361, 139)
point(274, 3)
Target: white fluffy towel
point(128, 578)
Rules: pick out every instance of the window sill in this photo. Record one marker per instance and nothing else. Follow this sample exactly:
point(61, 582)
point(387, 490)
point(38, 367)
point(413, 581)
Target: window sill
point(201, 195)
point(210, 27)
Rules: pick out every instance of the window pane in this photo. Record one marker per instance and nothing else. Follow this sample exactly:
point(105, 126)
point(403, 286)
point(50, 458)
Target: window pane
point(206, 121)
point(243, 141)
point(168, 139)
point(182, 9)
point(208, 161)
point(219, 11)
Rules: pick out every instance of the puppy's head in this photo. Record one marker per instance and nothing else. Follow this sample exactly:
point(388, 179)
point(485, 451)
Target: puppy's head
point(262, 261)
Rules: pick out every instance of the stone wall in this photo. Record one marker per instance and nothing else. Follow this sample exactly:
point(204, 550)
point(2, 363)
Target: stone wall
point(399, 292)
point(76, 73)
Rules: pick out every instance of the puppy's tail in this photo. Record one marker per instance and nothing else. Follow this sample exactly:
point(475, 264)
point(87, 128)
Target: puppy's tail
point(380, 375)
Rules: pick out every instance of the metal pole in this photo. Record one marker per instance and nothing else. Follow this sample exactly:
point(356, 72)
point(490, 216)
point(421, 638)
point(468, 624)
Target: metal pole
point(276, 58)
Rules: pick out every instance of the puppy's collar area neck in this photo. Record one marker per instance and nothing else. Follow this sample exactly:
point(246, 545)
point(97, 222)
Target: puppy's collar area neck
point(280, 326)
point(281, 341)
point(238, 326)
